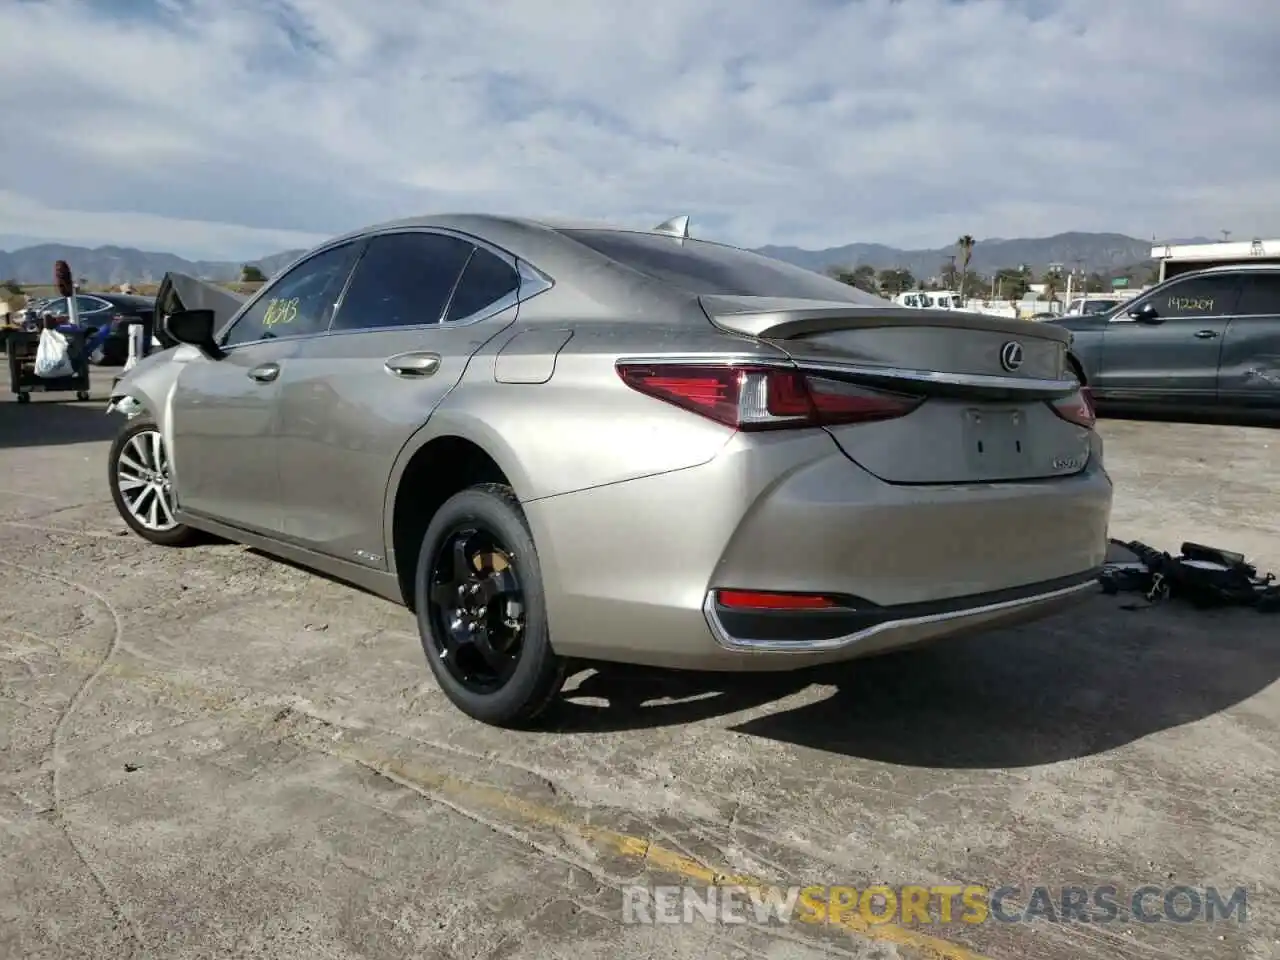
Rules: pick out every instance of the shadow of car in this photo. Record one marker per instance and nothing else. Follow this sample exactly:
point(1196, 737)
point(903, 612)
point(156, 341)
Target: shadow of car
point(1075, 685)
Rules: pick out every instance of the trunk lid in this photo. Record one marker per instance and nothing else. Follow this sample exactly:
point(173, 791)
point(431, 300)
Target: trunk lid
point(989, 383)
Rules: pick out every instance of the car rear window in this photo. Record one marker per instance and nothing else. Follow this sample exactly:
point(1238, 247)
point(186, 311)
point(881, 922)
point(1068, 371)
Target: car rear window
point(714, 269)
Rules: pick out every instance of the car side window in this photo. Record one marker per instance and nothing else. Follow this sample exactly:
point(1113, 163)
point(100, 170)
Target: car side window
point(300, 302)
point(403, 279)
point(1210, 296)
point(1259, 294)
point(486, 279)
point(90, 304)
point(57, 307)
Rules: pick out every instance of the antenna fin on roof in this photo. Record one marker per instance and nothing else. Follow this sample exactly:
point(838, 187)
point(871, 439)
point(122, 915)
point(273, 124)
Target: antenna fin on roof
point(676, 227)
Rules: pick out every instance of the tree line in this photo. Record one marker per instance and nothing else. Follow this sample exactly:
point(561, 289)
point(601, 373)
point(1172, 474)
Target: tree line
point(1007, 283)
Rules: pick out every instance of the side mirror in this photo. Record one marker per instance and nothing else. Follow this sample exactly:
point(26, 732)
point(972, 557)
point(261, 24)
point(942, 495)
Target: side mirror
point(195, 328)
point(1145, 314)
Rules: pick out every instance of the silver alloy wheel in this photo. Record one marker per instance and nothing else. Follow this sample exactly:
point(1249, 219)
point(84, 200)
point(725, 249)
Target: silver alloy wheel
point(143, 476)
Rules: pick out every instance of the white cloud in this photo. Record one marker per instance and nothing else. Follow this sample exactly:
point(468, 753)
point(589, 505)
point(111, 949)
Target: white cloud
point(233, 127)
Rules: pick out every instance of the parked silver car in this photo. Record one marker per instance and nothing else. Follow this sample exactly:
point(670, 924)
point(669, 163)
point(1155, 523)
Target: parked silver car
point(564, 442)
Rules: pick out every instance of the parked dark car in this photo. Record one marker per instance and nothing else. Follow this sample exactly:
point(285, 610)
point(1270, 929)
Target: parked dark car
point(99, 309)
point(1201, 342)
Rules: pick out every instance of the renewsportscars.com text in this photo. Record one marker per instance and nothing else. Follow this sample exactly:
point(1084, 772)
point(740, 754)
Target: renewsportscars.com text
point(937, 904)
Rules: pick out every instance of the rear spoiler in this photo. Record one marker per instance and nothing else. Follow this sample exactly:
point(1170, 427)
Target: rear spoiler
point(782, 319)
point(779, 320)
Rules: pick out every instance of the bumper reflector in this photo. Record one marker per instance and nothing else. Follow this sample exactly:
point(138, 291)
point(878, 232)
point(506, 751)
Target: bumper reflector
point(757, 600)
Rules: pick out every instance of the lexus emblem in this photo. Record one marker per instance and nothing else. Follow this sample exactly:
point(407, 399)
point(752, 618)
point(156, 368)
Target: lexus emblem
point(1011, 355)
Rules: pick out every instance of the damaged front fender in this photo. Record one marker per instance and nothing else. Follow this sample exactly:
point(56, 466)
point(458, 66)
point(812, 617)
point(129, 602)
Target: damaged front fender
point(148, 386)
point(129, 406)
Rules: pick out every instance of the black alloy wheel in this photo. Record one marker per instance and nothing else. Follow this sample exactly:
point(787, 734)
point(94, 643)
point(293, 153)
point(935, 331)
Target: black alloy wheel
point(477, 609)
point(481, 609)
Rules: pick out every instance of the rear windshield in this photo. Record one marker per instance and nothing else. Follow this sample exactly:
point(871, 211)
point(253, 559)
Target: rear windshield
point(716, 270)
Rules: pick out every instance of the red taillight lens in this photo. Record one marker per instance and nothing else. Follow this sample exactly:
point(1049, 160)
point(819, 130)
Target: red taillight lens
point(840, 402)
point(757, 600)
point(764, 398)
point(1077, 409)
point(711, 392)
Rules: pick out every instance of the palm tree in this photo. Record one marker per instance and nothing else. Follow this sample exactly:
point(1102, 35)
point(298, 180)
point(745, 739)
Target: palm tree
point(965, 246)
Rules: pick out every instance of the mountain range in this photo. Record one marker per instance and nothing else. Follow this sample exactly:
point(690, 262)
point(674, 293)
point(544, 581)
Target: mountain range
point(115, 265)
point(1100, 252)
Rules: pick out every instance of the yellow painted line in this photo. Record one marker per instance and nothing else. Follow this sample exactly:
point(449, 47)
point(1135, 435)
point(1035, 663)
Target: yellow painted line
point(663, 859)
point(455, 791)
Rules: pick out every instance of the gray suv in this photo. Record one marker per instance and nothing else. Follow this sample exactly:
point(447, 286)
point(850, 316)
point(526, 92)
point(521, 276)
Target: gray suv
point(1199, 342)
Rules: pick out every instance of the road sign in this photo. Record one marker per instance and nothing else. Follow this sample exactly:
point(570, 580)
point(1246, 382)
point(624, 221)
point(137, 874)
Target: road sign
point(1120, 282)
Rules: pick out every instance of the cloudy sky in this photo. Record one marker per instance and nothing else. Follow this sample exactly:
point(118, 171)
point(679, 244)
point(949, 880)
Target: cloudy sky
point(236, 128)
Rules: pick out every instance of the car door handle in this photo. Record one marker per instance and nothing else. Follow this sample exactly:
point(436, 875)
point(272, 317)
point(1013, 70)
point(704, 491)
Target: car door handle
point(413, 364)
point(1206, 334)
point(265, 373)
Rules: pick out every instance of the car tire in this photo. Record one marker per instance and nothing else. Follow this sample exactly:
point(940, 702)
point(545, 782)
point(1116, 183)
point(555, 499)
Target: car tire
point(131, 461)
point(486, 517)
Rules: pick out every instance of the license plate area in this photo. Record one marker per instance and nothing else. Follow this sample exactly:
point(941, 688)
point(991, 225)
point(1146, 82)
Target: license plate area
point(995, 441)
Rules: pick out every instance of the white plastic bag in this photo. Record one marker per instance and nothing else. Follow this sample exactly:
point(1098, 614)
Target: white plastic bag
point(53, 356)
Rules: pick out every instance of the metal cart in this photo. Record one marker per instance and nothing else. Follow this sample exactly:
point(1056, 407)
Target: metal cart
point(20, 350)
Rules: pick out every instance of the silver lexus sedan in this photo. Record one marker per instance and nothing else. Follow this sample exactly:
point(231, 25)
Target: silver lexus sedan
point(559, 443)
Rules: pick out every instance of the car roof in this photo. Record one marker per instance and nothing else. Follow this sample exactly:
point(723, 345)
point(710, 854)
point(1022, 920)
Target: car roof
point(523, 236)
point(498, 221)
point(547, 243)
point(1228, 268)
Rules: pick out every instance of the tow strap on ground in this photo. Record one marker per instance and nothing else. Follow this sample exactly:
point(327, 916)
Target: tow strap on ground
point(1202, 576)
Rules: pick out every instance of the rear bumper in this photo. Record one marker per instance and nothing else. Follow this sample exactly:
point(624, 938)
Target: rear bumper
point(631, 569)
point(875, 629)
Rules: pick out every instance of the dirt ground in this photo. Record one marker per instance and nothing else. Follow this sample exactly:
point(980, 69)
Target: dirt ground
point(208, 753)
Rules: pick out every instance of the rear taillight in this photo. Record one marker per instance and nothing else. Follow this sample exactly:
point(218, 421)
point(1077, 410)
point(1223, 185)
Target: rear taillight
point(1077, 409)
point(751, 397)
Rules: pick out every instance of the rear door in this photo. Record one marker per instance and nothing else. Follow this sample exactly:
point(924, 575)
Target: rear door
point(1174, 359)
point(419, 304)
point(1249, 369)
